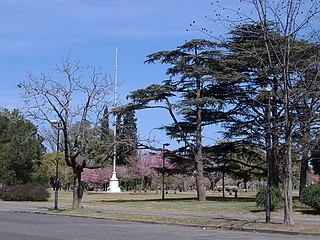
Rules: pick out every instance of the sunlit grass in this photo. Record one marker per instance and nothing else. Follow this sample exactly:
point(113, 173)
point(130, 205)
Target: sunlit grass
point(172, 203)
point(244, 205)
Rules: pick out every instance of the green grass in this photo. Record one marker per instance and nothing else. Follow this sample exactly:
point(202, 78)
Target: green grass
point(181, 202)
point(145, 203)
point(172, 203)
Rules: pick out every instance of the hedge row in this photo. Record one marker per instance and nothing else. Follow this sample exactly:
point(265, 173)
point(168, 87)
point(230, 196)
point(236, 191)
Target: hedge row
point(24, 193)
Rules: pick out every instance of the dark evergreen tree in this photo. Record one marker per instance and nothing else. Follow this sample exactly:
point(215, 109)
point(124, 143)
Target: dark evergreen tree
point(306, 103)
point(97, 141)
point(127, 138)
point(240, 160)
point(106, 132)
point(246, 46)
point(20, 144)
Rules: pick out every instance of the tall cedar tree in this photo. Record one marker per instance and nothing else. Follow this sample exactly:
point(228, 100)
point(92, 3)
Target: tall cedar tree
point(246, 46)
point(188, 96)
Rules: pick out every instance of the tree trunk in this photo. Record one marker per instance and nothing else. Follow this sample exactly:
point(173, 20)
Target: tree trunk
point(198, 148)
point(288, 208)
point(223, 195)
point(303, 172)
point(76, 188)
point(274, 124)
point(304, 161)
point(245, 186)
point(184, 184)
point(200, 181)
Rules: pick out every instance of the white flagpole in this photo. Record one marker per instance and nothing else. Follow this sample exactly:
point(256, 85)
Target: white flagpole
point(114, 182)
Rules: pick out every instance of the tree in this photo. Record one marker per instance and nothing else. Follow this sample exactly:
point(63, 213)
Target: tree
point(96, 176)
point(145, 170)
point(77, 100)
point(306, 104)
point(289, 23)
point(186, 96)
point(20, 145)
point(251, 110)
point(281, 24)
point(44, 170)
point(239, 159)
point(127, 138)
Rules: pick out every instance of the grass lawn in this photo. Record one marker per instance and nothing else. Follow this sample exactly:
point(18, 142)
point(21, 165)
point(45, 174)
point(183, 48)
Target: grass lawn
point(148, 202)
point(185, 202)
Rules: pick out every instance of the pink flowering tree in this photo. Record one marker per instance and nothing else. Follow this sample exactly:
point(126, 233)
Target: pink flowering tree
point(96, 176)
point(143, 171)
point(151, 165)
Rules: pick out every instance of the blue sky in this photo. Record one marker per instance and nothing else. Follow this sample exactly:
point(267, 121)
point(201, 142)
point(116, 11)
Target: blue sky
point(36, 34)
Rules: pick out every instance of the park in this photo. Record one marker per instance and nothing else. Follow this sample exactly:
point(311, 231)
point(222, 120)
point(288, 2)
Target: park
point(222, 131)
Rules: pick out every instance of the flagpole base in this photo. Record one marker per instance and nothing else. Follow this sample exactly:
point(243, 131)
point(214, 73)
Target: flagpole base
point(114, 184)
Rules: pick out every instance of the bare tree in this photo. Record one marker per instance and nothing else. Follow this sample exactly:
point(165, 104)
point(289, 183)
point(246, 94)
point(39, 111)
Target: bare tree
point(76, 98)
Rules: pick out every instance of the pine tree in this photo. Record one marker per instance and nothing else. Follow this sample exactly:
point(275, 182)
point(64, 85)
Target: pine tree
point(193, 97)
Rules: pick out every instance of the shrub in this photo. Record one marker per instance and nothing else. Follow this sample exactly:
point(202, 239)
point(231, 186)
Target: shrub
point(229, 189)
point(276, 198)
point(310, 196)
point(24, 193)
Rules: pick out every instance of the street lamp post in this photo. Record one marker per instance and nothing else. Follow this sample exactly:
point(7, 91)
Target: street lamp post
point(163, 167)
point(266, 92)
point(57, 126)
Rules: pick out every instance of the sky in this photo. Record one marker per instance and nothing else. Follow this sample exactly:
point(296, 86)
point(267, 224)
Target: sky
point(35, 35)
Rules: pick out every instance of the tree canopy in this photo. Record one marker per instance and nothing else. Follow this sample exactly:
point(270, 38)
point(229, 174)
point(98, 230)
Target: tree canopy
point(20, 144)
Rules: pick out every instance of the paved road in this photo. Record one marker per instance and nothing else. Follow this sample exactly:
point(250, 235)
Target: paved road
point(30, 226)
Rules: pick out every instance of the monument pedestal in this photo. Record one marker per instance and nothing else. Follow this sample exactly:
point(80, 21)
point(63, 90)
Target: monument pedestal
point(114, 184)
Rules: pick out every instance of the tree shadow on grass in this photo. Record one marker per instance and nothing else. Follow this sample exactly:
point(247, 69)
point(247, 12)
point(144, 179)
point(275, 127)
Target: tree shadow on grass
point(303, 209)
point(261, 210)
point(182, 199)
point(231, 199)
point(309, 212)
point(149, 200)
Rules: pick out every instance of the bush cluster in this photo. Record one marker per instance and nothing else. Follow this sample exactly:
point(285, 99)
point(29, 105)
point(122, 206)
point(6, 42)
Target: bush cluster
point(276, 198)
point(310, 196)
point(24, 193)
point(229, 188)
